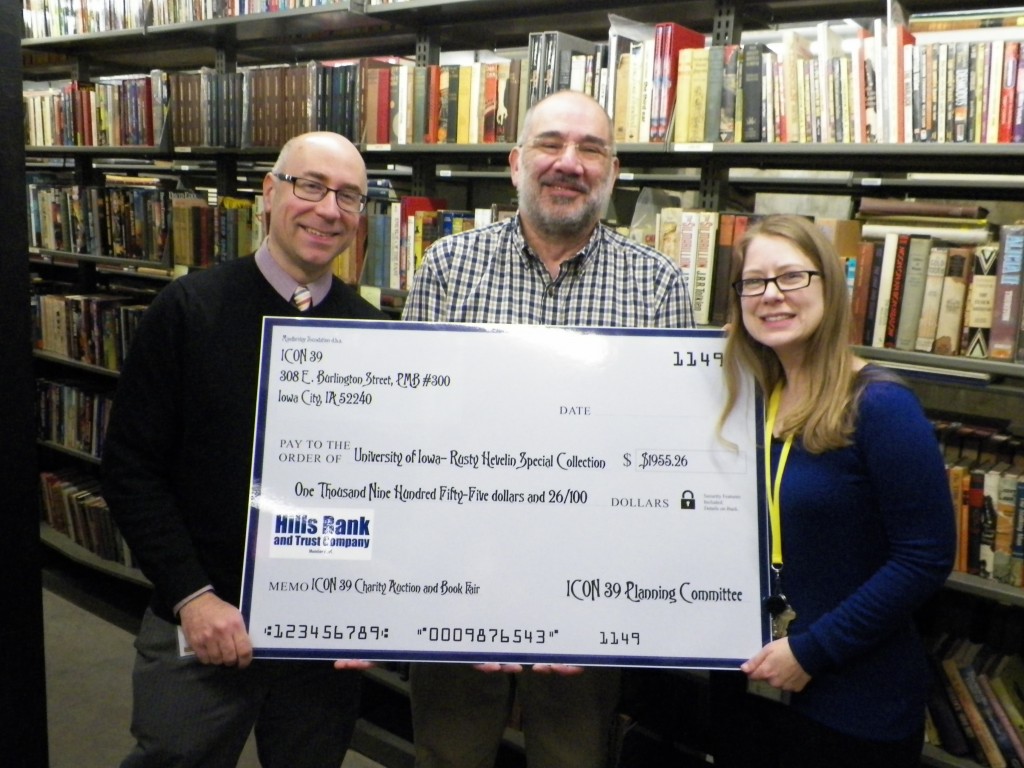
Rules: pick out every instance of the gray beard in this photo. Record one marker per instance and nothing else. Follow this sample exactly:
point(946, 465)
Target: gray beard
point(561, 227)
point(551, 224)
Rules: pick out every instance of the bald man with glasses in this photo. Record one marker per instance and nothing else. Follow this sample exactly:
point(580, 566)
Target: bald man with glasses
point(176, 477)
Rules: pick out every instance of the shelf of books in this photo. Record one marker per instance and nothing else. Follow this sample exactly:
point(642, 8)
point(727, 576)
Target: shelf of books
point(69, 547)
point(975, 706)
point(135, 36)
point(790, 95)
point(72, 415)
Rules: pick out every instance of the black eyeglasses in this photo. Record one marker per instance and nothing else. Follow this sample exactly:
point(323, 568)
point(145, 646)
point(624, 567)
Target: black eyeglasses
point(788, 281)
point(313, 192)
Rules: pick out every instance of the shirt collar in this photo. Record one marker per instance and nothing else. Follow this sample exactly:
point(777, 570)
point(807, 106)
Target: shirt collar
point(284, 283)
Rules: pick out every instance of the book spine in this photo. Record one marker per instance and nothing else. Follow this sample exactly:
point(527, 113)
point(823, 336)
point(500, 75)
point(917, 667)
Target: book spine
point(1009, 716)
point(752, 91)
point(713, 106)
point(1016, 577)
point(948, 715)
point(536, 67)
point(707, 227)
point(874, 285)
point(980, 302)
point(698, 95)
point(1011, 54)
point(970, 707)
point(1005, 507)
point(684, 103)
point(890, 291)
point(928, 324)
point(975, 520)
point(861, 286)
point(662, 62)
point(1003, 340)
point(727, 122)
point(913, 292)
point(720, 286)
point(949, 326)
point(1003, 749)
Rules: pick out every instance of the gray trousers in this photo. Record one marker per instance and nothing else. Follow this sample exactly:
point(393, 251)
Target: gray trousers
point(188, 714)
point(459, 715)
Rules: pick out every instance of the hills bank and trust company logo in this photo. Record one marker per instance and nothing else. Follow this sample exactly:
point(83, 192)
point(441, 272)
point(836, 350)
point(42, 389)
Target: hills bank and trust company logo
point(324, 535)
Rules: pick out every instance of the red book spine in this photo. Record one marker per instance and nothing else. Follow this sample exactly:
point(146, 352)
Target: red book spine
point(384, 106)
point(490, 102)
point(1008, 95)
point(676, 37)
point(899, 274)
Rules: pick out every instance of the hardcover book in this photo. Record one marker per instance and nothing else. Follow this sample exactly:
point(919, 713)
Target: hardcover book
point(720, 286)
point(411, 205)
point(1002, 754)
point(829, 49)
point(713, 107)
point(698, 94)
point(980, 302)
point(796, 49)
point(874, 284)
point(1005, 710)
point(948, 331)
point(559, 48)
point(752, 86)
point(1005, 513)
point(670, 39)
point(934, 274)
point(884, 206)
point(970, 707)
point(622, 33)
point(730, 91)
point(689, 222)
point(683, 85)
point(861, 288)
point(1007, 303)
point(707, 227)
point(893, 256)
point(946, 712)
point(535, 60)
point(913, 292)
point(622, 96)
point(1008, 93)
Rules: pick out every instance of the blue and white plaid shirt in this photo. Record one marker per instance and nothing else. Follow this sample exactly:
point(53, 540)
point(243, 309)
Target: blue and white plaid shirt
point(490, 275)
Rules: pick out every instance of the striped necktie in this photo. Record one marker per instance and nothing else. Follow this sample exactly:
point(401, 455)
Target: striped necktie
point(302, 298)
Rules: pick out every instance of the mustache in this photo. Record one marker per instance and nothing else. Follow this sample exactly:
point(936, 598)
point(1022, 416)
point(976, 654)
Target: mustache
point(569, 182)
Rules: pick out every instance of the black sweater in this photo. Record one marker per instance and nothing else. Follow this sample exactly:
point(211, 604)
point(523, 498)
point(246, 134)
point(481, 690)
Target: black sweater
point(178, 451)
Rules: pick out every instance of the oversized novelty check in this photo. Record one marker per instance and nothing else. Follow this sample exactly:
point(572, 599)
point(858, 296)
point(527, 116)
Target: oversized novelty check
point(503, 493)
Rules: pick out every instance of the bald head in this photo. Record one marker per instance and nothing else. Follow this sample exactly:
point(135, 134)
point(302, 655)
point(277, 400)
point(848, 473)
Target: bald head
point(322, 142)
point(583, 107)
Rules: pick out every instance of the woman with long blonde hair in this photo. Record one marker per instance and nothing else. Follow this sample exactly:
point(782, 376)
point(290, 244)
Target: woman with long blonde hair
point(861, 521)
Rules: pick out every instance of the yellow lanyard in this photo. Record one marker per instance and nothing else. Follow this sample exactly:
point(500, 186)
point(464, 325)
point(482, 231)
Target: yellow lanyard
point(774, 485)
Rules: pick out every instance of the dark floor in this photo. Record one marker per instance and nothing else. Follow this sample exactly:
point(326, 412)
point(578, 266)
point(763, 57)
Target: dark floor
point(90, 621)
